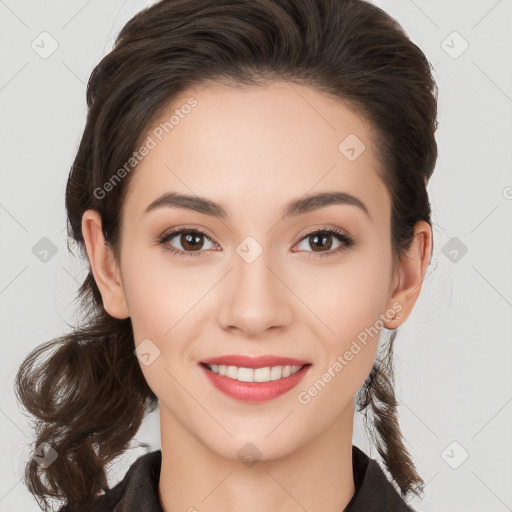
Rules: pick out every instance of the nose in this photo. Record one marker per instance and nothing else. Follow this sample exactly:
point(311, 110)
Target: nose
point(254, 299)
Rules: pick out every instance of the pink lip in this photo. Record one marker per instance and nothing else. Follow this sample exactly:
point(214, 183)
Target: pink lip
point(254, 362)
point(254, 391)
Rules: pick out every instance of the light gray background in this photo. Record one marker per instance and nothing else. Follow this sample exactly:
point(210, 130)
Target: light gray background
point(453, 354)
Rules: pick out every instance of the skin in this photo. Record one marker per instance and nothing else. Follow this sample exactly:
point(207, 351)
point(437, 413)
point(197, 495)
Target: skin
point(253, 151)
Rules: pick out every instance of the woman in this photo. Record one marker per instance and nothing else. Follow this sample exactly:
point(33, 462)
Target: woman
point(250, 194)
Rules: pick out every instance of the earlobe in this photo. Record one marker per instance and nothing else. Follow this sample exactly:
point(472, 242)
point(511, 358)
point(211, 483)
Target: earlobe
point(104, 266)
point(411, 272)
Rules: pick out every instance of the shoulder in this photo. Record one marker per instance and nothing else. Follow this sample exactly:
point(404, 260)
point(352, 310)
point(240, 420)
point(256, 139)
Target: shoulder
point(138, 490)
point(374, 492)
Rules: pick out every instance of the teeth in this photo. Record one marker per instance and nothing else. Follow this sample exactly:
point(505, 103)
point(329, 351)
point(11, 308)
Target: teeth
point(231, 372)
point(276, 372)
point(244, 374)
point(254, 375)
point(261, 375)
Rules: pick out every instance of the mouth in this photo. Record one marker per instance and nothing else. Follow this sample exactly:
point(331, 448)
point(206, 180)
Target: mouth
point(245, 374)
point(258, 384)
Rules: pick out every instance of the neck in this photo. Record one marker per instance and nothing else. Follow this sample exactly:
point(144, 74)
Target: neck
point(316, 477)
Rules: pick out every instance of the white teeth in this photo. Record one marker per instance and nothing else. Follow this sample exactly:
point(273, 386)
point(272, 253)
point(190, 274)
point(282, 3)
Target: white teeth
point(231, 372)
point(244, 374)
point(261, 374)
point(254, 375)
point(276, 372)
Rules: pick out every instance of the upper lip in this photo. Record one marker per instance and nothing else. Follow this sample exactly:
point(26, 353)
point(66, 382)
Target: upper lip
point(254, 362)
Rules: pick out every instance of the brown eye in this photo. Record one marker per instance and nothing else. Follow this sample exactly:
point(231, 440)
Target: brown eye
point(321, 241)
point(189, 242)
point(324, 241)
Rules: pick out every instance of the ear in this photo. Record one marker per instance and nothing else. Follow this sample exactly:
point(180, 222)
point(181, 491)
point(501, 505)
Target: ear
point(104, 267)
point(411, 271)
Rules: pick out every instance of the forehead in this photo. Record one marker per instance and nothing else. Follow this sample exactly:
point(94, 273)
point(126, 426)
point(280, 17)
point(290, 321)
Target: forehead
point(251, 148)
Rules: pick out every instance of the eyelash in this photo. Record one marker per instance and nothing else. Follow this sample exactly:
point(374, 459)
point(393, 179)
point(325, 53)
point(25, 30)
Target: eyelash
point(346, 242)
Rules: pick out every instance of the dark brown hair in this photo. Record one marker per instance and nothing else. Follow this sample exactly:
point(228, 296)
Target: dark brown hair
point(89, 396)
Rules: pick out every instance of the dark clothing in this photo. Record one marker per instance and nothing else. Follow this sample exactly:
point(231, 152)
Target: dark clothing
point(138, 490)
point(374, 492)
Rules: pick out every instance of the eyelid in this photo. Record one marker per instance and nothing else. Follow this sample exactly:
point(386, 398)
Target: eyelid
point(324, 229)
point(173, 232)
point(179, 229)
point(345, 239)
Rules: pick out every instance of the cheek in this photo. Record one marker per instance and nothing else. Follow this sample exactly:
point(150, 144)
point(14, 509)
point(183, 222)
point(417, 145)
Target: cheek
point(347, 296)
point(164, 302)
point(351, 311)
point(158, 303)
point(348, 299)
point(160, 292)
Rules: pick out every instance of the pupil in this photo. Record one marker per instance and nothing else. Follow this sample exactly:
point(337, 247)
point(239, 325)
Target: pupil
point(192, 240)
point(323, 238)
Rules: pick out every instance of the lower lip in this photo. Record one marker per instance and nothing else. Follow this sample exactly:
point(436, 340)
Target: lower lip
point(255, 391)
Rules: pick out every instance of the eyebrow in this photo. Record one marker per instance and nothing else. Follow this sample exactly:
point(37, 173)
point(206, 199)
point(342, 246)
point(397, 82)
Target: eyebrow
point(296, 207)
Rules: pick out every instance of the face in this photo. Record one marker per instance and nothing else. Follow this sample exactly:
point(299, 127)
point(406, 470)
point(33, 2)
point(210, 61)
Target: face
point(259, 279)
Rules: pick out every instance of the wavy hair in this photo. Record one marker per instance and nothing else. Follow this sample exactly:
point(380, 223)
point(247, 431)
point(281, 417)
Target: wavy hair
point(85, 388)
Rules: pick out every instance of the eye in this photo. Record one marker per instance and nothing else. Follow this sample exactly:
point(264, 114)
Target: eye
point(323, 238)
point(190, 240)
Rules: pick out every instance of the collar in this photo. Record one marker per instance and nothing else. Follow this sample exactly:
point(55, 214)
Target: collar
point(138, 490)
point(374, 492)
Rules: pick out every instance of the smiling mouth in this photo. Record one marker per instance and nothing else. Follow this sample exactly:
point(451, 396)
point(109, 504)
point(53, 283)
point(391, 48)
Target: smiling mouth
point(255, 375)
